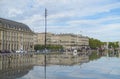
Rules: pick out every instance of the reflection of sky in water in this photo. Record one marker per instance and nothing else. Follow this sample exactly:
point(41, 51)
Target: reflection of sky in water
point(103, 68)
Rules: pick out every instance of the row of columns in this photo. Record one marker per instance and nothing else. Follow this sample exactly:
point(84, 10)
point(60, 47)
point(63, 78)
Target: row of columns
point(13, 41)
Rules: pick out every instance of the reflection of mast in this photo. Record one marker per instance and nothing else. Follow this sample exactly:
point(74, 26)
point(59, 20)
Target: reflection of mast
point(45, 40)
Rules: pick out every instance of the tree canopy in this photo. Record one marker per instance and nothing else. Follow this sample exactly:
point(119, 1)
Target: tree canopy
point(113, 45)
point(94, 43)
point(49, 47)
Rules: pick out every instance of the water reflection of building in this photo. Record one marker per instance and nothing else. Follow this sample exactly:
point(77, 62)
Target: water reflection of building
point(16, 60)
point(15, 35)
point(13, 73)
point(13, 65)
point(61, 59)
point(66, 40)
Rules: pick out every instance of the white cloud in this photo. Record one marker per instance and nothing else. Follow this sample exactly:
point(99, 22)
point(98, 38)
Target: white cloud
point(64, 15)
point(61, 15)
point(93, 21)
point(77, 8)
point(103, 32)
point(33, 19)
point(14, 12)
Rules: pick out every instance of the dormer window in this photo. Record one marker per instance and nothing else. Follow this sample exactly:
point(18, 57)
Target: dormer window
point(19, 28)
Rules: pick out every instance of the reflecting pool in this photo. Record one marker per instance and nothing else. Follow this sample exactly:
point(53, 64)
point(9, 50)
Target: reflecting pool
point(103, 68)
point(99, 68)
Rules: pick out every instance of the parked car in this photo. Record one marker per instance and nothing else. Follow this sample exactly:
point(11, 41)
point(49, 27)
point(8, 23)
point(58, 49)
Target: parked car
point(21, 51)
point(5, 51)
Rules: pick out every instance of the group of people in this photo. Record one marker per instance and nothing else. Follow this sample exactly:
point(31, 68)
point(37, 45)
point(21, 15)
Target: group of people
point(79, 51)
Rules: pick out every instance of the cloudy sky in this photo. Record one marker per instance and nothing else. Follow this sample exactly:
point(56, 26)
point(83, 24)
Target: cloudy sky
point(94, 18)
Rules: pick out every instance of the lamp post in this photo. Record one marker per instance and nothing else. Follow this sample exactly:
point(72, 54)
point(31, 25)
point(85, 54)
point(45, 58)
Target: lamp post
point(107, 49)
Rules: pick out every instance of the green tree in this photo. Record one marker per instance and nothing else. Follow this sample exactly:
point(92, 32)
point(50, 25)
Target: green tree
point(94, 43)
point(113, 44)
point(49, 47)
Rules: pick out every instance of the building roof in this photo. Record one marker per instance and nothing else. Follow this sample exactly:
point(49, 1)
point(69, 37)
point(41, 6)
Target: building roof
point(13, 24)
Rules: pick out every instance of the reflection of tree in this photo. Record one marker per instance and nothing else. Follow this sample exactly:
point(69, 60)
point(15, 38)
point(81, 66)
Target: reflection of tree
point(49, 47)
point(94, 56)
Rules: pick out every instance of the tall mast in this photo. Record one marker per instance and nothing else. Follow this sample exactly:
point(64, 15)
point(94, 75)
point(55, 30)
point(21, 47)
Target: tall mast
point(45, 26)
point(45, 40)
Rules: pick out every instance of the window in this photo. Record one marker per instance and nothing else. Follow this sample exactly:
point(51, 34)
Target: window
point(0, 23)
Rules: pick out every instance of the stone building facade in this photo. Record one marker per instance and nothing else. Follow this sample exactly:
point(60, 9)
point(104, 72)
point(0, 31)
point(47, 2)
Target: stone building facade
point(15, 36)
point(66, 40)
